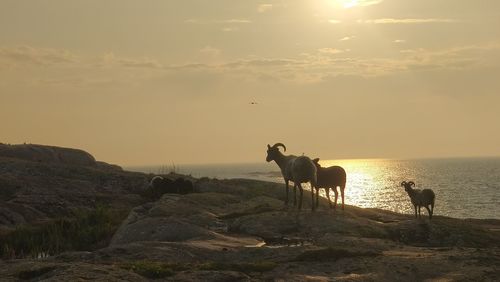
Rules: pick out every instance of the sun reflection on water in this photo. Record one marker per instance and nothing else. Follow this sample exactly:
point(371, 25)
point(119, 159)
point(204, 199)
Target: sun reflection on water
point(464, 187)
point(371, 184)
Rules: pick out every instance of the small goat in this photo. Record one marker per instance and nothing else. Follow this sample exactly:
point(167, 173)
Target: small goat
point(420, 198)
point(296, 169)
point(330, 177)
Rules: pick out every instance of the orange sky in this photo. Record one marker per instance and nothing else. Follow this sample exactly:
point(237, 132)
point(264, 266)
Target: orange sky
point(163, 82)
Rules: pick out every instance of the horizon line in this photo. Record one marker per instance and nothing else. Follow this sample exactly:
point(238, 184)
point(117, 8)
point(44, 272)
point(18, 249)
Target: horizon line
point(325, 159)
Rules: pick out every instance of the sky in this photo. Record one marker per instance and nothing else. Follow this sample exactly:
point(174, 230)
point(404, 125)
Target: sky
point(215, 81)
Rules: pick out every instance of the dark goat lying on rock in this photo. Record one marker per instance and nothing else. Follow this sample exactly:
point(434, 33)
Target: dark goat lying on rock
point(160, 185)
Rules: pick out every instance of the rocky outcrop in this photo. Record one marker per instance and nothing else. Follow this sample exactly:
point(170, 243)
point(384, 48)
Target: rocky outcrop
point(40, 183)
point(47, 154)
point(238, 230)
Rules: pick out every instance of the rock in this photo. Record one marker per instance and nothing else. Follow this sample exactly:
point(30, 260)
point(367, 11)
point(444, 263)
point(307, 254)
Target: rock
point(159, 229)
point(210, 276)
point(43, 153)
point(32, 191)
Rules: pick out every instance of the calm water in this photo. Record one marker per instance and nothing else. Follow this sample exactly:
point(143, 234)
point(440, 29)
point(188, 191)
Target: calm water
point(465, 188)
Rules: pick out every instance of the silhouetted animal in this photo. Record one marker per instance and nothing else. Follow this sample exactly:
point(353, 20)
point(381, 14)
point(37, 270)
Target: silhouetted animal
point(420, 198)
point(184, 186)
point(296, 169)
point(330, 177)
point(160, 185)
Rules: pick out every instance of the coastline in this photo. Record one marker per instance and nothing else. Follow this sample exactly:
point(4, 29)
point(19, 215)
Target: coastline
point(233, 229)
point(465, 188)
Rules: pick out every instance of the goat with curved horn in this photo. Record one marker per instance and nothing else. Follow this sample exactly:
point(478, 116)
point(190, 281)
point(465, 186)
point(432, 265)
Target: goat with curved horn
point(420, 198)
point(280, 145)
point(296, 169)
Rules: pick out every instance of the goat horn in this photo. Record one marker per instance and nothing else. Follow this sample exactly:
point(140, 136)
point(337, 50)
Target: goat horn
point(280, 144)
point(411, 183)
point(403, 183)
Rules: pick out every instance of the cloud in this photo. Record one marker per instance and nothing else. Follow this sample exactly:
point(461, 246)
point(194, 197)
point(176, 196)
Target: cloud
point(262, 8)
point(37, 56)
point(262, 63)
point(471, 56)
point(330, 51)
point(240, 21)
point(318, 65)
point(228, 21)
point(334, 21)
point(306, 68)
point(347, 38)
point(366, 2)
point(110, 59)
point(210, 51)
point(399, 41)
point(406, 21)
point(230, 29)
point(357, 3)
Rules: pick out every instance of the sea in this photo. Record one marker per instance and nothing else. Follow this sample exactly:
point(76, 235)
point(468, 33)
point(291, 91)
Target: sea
point(464, 187)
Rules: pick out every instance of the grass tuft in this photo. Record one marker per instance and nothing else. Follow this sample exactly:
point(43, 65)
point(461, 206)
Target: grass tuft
point(157, 270)
point(86, 231)
point(151, 269)
point(33, 273)
point(261, 266)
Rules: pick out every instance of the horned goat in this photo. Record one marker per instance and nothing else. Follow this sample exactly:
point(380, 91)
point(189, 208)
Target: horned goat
point(420, 198)
point(296, 169)
point(330, 177)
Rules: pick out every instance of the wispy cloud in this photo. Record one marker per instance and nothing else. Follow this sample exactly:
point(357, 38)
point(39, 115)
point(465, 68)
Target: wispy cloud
point(406, 21)
point(358, 3)
point(210, 51)
point(330, 51)
point(399, 41)
point(332, 21)
point(262, 8)
point(110, 59)
point(347, 38)
point(230, 29)
point(37, 56)
point(316, 66)
point(227, 21)
point(311, 67)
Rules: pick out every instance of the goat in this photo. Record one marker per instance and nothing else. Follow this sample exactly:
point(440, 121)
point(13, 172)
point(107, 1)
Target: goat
point(420, 198)
point(296, 169)
point(330, 177)
point(160, 185)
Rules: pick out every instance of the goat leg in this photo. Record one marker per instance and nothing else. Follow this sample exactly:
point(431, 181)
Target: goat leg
point(286, 190)
point(336, 197)
point(312, 198)
point(342, 194)
point(301, 193)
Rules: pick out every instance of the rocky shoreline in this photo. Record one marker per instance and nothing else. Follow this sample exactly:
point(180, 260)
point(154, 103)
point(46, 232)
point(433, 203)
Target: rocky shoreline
point(232, 230)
